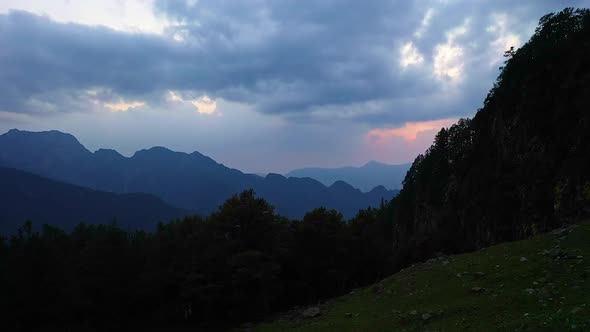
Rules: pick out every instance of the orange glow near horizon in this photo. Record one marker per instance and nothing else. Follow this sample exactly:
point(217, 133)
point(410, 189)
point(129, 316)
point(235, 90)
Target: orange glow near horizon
point(409, 131)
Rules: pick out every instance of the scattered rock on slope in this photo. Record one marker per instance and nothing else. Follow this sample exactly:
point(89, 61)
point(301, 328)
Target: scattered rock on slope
point(311, 312)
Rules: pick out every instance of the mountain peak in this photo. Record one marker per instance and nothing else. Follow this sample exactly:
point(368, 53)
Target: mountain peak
point(52, 140)
point(201, 156)
point(379, 189)
point(342, 186)
point(49, 133)
point(275, 176)
point(154, 151)
point(374, 163)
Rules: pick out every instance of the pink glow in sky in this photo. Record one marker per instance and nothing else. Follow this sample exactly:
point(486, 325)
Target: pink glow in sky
point(409, 131)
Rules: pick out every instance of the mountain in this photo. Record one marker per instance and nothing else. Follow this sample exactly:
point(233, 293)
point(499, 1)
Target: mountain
point(366, 177)
point(190, 181)
point(25, 196)
point(520, 166)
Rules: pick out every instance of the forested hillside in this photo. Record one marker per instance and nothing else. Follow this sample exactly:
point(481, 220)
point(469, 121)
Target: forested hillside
point(520, 166)
point(240, 264)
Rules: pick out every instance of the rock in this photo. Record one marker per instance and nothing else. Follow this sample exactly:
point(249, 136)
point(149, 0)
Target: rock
point(477, 289)
point(311, 312)
point(378, 288)
point(348, 315)
point(557, 252)
point(561, 232)
point(426, 316)
point(523, 259)
point(414, 313)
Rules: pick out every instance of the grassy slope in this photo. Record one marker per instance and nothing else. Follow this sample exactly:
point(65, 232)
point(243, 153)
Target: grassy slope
point(536, 293)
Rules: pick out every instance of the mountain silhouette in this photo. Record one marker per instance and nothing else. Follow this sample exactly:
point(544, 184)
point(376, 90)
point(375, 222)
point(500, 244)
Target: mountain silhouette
point(26, 196)
point(189, 181)
point(365, 178)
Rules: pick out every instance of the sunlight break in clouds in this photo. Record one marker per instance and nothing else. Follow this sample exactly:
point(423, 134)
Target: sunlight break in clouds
point(409, 131)
point(205, 105)
point(173, 96)
point(123, 106)
point(122, 15)
point(505, 39)
point(410, 55)
point(448, 57)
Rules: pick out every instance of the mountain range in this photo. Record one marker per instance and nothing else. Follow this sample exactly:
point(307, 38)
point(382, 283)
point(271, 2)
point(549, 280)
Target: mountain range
point(188, 181)
point(366, 177)
point(26, 196)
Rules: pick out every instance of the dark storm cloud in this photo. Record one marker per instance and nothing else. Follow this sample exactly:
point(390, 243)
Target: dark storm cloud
point(305, 60)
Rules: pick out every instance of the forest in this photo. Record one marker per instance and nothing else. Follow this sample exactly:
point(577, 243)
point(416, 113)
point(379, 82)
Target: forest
point(237, 265)
point(517, 169)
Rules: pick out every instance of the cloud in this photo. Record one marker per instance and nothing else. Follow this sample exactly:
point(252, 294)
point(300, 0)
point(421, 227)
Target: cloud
point(448, 62)
point(123, 106)
point(410, 55)
point(123, 15)
point(424, 25)
point(504, 38)
point(205, 105)
point(280, 58)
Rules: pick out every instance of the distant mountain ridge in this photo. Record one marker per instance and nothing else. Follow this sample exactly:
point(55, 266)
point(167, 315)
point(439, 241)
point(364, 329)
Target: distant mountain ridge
point(365, 177)
point(25, 196)
point(189, 181)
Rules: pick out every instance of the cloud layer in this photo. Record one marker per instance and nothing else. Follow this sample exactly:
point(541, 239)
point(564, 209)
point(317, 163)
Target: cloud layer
point(358, 66)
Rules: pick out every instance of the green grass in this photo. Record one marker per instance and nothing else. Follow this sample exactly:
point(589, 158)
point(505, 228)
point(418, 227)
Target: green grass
point(494, 289)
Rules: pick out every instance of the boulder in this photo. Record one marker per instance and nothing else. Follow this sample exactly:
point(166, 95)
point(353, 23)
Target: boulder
point(311, 312)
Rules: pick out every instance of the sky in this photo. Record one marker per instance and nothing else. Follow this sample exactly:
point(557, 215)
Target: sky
point(258, 85)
